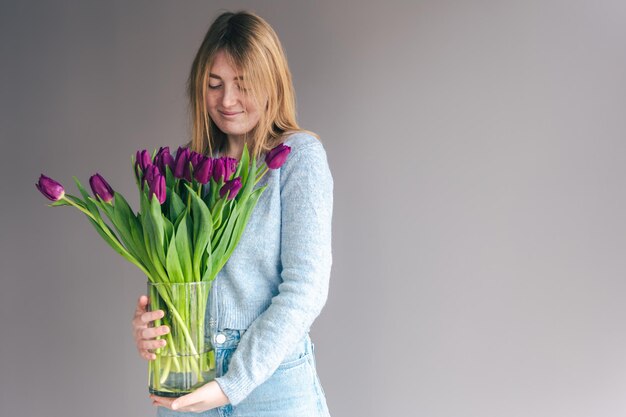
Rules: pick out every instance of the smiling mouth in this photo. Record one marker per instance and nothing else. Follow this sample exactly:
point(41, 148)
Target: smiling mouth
point(230, 114)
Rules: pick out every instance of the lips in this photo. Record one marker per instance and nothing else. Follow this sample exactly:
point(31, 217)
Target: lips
point(230, 113)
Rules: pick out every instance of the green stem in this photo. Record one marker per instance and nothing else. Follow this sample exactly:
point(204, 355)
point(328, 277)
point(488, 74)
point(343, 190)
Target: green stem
point(258, 178)
point(182, 324)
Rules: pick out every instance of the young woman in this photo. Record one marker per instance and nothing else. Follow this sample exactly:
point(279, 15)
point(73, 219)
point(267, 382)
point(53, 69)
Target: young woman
point(275, 284)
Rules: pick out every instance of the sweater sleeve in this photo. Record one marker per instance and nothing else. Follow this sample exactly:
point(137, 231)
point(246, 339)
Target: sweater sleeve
point(306, 186)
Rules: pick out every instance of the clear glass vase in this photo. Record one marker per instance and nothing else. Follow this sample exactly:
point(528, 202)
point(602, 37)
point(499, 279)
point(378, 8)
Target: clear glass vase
point(187, 361)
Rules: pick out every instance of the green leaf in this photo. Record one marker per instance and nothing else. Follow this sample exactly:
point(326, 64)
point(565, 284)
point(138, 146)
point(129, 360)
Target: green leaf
point(225, 237)
point(124, 221)
point(176, 206)
point(59, 203)
point(210, 271)
point(80, 187)
point(108, 239)
point(168, 228)
point(121, 214)
point(233, 233)
point(149, 239)
point(244, 217)
point(87, 203)
point(172, 263)
point(156, 220)
point(202, 230)
point(218, 213)
point(242, 168)
point(247, 187)
point(136, 235)
point(169, 178)
point(156, 264)
point(183, 248)
point(106, 207)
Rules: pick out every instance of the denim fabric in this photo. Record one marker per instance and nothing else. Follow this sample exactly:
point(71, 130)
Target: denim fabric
point(293, 390)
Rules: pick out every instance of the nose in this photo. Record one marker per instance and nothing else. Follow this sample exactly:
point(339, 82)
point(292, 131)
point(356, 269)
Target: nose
point(230, 97)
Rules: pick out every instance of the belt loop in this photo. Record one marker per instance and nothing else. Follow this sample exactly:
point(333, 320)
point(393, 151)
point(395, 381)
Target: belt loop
point(308, 344)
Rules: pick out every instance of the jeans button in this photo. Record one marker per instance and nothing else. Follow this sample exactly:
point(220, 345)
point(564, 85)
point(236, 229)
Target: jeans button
point(220, 338)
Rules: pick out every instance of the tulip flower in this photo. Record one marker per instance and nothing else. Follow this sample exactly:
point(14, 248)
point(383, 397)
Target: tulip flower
point(181, 164)
point(218, 169)
point(277, 156)
point(50, 188)
point(164, 159)
point(150, 175)
point(230, 167)
point(202, 171)
point(233, 186)
point(157, 187)
point(101, 188)
point(143, 159)
point(194, 158)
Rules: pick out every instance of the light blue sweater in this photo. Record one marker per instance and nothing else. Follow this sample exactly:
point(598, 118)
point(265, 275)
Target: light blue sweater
point(276, 281)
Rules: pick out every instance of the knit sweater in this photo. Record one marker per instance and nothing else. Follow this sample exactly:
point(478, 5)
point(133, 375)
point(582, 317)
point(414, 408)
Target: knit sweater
point(276, 281)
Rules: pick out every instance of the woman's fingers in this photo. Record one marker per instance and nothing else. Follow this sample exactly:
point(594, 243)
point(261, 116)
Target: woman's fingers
point(142, 319)
point(152, 332)
point(151, 344)
point(142, 302)
point(144, 331)
point(149, 316)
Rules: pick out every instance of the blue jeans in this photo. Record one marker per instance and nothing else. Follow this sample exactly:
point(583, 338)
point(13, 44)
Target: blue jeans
point(293, 390)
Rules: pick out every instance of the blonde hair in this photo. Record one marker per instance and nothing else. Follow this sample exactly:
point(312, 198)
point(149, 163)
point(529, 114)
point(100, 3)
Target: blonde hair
point(252, 47)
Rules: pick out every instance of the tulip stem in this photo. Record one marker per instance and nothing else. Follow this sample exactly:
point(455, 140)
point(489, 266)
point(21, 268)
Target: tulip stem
point(258, 178)
point(87, 212)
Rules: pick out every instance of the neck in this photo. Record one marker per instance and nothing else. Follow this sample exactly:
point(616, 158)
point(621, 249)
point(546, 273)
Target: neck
point(234, 147)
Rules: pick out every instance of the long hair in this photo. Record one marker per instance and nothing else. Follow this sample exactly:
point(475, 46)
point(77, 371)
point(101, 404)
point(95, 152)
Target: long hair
point(252, 47)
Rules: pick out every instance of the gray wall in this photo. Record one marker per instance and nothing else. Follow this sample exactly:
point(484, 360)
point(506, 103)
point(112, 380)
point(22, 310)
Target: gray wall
point(478, 151)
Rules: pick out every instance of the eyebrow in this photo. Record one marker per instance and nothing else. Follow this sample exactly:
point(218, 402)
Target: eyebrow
point(211, 75)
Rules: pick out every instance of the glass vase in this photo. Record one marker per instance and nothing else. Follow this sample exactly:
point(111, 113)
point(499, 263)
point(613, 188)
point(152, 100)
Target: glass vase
point(187, 361)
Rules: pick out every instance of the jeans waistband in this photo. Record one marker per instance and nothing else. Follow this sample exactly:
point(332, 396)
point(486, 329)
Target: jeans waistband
point(229, 339)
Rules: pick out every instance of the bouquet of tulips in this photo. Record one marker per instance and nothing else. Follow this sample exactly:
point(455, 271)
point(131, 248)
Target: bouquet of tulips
point(193, 211)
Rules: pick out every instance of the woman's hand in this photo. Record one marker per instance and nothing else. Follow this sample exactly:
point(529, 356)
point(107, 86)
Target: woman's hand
point(144, 333)
point(204, 398)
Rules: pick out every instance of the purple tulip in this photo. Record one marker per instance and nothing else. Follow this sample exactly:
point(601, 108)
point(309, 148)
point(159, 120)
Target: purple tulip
point(50, 188)
point(194, 158)
point(224, 168)
point(218, 169)
point(233, 186)
point(143, 159)
point(230, 167)
point(202, 172)
point(164, 159)
point(157, 187)
point(101, 188)
point(181, 165)
point(277, 156)
point(150, 174)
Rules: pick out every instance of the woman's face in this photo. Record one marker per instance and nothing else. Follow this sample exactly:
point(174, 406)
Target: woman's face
point(230, 105)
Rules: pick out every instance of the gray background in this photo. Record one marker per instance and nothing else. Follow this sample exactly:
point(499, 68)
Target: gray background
point(478, 152)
